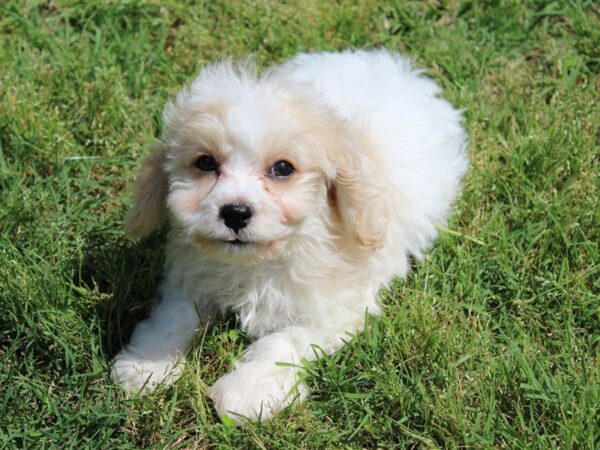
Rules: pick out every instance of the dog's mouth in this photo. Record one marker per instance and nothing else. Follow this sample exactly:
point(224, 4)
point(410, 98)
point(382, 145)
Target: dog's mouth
point(237, 243)
point(230, 243)
point(236, 246)
point(233, 249)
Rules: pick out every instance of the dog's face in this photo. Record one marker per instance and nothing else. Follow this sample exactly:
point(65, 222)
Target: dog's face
point(243, 175)
point(241, 170)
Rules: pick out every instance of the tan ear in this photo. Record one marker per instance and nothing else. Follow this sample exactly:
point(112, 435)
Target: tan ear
point(149, 198)
point(360, 200)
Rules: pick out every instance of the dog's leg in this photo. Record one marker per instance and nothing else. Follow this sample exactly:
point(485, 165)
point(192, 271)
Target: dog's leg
point(266, 380)
point(155, 353)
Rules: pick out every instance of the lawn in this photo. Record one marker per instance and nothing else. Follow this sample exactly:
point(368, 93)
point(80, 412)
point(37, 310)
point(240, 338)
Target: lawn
point(491, 342)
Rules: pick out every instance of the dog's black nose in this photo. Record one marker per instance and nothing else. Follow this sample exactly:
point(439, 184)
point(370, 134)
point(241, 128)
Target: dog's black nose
point(236, 215)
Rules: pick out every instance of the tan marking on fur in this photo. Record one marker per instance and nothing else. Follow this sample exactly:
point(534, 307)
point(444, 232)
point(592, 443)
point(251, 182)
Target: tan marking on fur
point(359, 198)
point(198, 130)
point(274, 248)
point(149, 196)
point(189, 200)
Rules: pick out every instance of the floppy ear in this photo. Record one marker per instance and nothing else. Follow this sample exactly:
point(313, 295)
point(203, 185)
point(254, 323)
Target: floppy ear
point(361, 201)
point(149, 198)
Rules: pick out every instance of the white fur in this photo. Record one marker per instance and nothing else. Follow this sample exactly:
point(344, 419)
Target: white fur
point(369, 130)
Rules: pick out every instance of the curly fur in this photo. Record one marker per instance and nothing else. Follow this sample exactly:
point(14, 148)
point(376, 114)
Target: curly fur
point(378, 158)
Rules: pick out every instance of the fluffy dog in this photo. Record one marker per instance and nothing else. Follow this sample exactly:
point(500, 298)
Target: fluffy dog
point(293, 196)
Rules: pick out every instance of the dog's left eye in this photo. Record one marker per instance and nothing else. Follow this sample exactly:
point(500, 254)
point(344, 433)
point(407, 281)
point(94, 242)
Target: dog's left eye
point(281, 169)
point(207, 163)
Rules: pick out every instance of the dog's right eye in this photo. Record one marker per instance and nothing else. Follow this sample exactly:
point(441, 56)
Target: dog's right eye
point(281, 169)
point(207, 163)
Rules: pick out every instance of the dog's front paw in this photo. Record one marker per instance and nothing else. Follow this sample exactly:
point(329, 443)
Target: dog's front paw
point(137, 374)
point(256, 391)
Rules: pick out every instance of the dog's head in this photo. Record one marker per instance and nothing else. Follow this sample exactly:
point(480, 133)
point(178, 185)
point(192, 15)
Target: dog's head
point(245, 160)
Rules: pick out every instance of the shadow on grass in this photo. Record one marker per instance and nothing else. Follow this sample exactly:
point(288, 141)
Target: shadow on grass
point(120, 278)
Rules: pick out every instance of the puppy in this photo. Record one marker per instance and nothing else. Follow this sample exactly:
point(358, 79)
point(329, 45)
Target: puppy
point(293, 196)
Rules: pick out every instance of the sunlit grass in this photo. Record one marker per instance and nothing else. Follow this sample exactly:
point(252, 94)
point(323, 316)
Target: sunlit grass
point(490, 342)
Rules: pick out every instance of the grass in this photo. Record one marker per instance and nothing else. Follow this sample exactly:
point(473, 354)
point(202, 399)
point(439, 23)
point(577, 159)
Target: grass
point(492, 342)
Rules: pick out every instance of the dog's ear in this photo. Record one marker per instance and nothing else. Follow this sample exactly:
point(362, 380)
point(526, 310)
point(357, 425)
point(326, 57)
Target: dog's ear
point(149, 198)
point(361, 202)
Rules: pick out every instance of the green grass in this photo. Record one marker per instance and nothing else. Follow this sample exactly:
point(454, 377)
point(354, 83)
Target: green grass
point(493, 341)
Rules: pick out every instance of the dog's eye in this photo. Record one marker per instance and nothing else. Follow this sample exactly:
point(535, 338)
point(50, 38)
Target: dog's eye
point(207, 163)
point(281, 169)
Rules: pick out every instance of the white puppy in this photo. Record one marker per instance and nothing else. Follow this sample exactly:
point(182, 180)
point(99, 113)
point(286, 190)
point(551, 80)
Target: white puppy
point(293, 196)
